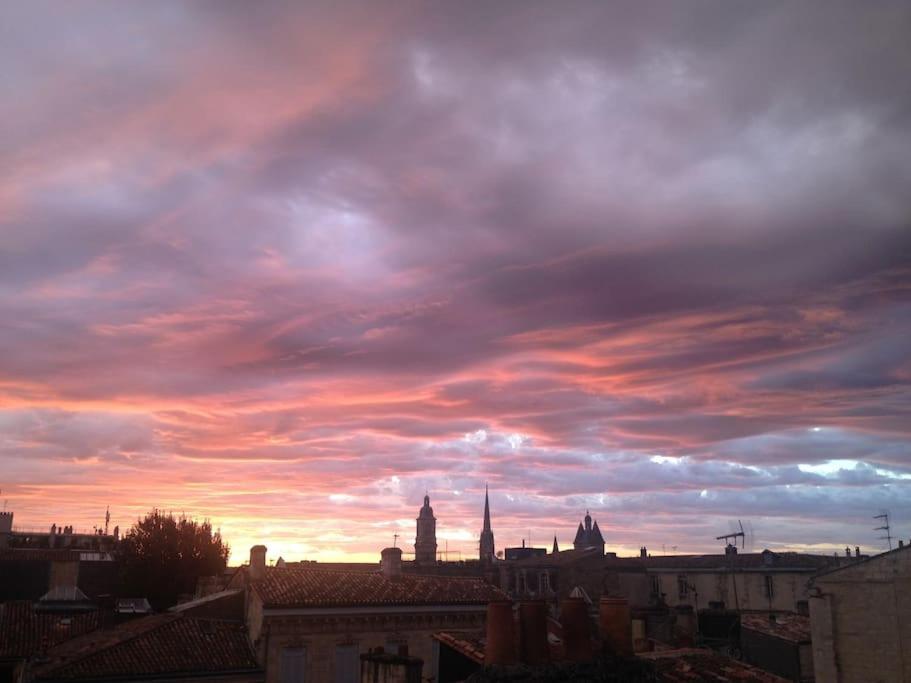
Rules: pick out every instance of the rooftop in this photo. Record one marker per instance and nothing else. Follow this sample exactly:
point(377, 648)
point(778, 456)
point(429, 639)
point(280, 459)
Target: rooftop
point(766, 560)
point(158, 645)
point(309, 586)
point(791, 627)
point(25, 632)
point(696, 666)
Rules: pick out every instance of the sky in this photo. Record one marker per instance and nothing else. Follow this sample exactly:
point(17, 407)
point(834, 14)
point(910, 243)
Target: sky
point(289, 266)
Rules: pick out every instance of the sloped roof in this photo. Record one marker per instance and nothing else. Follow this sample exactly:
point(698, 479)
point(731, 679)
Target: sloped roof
point(25, 632)
point(313, 587)
point(158, 645)
point(697, 666)
point(864, 560)
point(791, 627)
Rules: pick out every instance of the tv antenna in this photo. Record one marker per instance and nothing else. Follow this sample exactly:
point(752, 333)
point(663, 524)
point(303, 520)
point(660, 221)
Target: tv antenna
point(731, 538)
point(884, 518)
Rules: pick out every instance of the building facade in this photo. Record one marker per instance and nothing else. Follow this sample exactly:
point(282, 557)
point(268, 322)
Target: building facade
point(312, 624)
point(860, 620)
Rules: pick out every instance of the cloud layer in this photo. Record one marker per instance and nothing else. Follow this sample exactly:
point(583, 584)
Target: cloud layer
point(289, 267)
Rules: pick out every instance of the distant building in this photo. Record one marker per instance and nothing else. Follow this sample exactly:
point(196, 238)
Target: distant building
point(55, 537)
point(523, 552)
point(425, 542)
point(860, 620)
point(312, 624)
point(487, 551)
point(588, 535)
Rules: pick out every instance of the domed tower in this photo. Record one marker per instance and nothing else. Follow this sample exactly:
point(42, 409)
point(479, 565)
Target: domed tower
point(425, 543)
point(487, 551)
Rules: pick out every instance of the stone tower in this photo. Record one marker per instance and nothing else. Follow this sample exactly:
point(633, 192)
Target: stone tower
point(487, 551)
point(588, 536)
point(425, 543)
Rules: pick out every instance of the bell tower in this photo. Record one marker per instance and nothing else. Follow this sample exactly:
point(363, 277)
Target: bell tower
point(425, 542)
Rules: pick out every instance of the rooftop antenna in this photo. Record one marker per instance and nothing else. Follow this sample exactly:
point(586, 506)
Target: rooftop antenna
point(884, 517)
point(395, 540)
point(733, 536)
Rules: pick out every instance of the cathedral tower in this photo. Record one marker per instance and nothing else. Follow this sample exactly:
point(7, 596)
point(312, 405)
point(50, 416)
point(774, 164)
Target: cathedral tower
point(425, 543)
point(487, 551)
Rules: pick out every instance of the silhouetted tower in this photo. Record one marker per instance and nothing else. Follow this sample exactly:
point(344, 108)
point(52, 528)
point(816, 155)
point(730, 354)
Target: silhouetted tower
point(556, 548)
point(588, 536)
point(425, 543)
point(487, 552)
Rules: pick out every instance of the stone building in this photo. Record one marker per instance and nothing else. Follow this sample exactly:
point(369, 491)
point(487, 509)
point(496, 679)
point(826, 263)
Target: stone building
point(312, 624)
point(487, 551)
point(588, 536)
point(860, 620)
point(425, 542)
point(766, 581)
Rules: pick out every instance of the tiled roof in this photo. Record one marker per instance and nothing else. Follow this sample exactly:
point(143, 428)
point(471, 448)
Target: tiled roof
point(743, 561)
point(696, 666)
point(792, 627)
point(159, 645)
point(25, 632)
point(305, 586)
point(470, 644)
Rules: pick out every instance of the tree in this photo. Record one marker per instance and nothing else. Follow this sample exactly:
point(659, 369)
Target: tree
point(164, 556)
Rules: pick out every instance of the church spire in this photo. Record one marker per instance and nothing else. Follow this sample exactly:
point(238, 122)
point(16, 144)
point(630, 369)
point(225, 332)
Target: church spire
point(486, 510)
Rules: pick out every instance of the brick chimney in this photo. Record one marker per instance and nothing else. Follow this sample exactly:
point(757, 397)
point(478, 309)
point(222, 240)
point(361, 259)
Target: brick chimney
point(391, 562)
point(533, 648)
point(857, 551)
point(258, 562)
point(616, 626)
point(577, 634)
point(643, 552)
point(501, 638)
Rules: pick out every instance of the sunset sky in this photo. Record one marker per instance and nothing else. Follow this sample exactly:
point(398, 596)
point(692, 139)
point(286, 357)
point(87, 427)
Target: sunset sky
point(290, 265)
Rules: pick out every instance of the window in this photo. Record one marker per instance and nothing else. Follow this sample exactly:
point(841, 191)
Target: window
point(769, 587)
point(656, 585)
point(293, 665)
point(683, 588)
point(545, 582)
point(347, 663)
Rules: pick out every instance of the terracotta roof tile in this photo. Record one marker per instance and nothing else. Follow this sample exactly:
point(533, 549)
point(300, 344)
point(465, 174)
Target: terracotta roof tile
point(303, 586)
point(162, 644)
point(698, 666)
point(792, 627)
point(25, 632)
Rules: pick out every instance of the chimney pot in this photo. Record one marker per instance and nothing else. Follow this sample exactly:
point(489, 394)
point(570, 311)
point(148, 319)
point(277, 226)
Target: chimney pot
point(258, 562)
point(391, 562)
point(901, 543)
point(616, 626)
point(643, 552)
point(577, 639)
point(533, 648)
point(848, 551)
point(857, 551)
point(501, 640)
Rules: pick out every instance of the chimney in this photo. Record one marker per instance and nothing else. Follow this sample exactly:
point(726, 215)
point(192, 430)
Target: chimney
point(258, 562)
point(616, 626)
point(857, 551)
point(533, 647)
point(577, 638)
point(643, 552)
point(847, 551)
point(730, 549)
point(901, 543)
point(501, 640)
point(391, 562)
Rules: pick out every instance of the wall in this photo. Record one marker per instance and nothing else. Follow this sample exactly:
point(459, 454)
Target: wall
point(773, 654)
point(712, 586)
point(320, 635)
point(860, 619)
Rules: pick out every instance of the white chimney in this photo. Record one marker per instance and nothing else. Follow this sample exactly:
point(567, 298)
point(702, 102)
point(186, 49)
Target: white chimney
point(391, 562)
point(258, 562)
